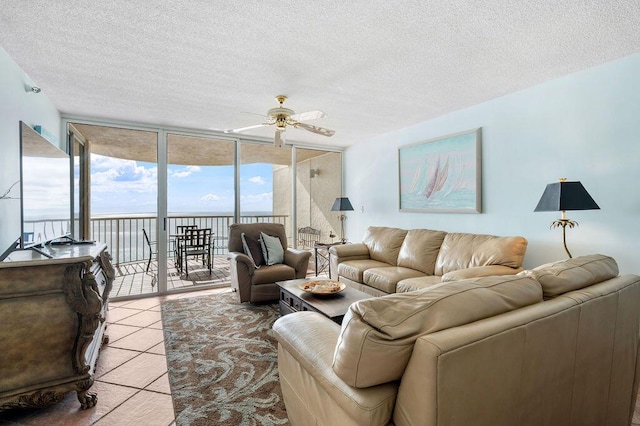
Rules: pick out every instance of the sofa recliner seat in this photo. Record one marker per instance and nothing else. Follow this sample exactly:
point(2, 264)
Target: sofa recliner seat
point(394, 260)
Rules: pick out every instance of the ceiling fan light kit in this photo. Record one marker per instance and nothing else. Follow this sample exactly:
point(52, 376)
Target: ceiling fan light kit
point(282, 117)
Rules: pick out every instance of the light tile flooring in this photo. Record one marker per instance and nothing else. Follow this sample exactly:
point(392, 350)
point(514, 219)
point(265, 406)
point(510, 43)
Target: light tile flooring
point(131, 373)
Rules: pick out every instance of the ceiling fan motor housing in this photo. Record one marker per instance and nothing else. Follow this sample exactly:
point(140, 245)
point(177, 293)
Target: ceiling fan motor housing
point(280, 116)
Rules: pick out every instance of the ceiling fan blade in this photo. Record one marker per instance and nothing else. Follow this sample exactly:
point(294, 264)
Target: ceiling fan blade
point(242, 129)
point(309, 115)
point(315, 129)
point(279, 140)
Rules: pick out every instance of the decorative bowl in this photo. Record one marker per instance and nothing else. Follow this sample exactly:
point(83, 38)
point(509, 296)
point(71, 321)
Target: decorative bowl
point(323, 287)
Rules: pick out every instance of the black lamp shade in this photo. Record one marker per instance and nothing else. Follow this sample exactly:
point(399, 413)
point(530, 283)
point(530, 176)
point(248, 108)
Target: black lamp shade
point(341, 204)
point(560, 196)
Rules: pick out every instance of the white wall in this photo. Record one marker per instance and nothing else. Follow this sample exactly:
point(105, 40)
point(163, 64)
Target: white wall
point(585, 126)
point(34, 109)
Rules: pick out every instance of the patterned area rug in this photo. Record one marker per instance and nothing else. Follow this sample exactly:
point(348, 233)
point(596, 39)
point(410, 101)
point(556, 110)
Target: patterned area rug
point(222, 360)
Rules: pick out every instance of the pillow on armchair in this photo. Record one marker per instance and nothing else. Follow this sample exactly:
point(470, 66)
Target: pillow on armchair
point(271, 249)
point(253, 249)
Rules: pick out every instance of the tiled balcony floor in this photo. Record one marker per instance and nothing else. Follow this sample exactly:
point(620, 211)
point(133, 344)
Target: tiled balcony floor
point(132, 279)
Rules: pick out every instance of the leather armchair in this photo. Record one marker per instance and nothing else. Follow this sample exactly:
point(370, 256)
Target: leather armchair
point(259, 285)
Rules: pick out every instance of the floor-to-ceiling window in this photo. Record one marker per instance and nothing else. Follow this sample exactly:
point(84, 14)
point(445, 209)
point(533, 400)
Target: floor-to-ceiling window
point(133, 181)
point(200, 194)
point(318, 183)
point(265, 184)
point(122, 197)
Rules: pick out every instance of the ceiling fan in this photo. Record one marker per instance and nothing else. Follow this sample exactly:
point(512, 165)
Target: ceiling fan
point(283, 117)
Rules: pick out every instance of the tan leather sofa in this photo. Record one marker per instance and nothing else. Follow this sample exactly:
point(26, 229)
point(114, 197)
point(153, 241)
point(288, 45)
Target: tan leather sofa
point(258, 285)
point(393, 260)
point(557, 345)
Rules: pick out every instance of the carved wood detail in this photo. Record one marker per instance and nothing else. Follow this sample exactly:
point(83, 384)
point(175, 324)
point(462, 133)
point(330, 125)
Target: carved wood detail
point(74, 286)
point(82, 295)
point(104, 260)
point(36, 399)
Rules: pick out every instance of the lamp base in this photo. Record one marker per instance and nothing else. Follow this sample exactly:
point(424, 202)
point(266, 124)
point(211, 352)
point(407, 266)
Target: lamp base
point(564, 223)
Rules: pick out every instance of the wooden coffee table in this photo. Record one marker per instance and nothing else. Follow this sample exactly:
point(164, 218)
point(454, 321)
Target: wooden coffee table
point(294, 299)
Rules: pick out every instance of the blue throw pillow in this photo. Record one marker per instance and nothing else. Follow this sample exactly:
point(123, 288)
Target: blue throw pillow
point(271, 249)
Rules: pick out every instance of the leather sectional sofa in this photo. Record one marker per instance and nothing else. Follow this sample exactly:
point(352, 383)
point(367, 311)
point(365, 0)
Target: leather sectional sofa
point(393, 260)
point(557, 345)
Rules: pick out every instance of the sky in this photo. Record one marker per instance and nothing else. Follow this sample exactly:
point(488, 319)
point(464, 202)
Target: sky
point(128, 186)
point(46, 191)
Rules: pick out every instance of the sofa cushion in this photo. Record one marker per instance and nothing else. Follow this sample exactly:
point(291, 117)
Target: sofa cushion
point(384, 243)
point(461, 251)
point(382, 331)
point(418, 283)
point(354, 269)
point(385, 279)
point(573, 274)
point(420, 249)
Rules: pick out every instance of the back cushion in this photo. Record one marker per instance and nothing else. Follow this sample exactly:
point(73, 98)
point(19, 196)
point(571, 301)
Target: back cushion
point(384, 243)
point(420, 249)
point(573, 274)
point(377, 335)
point(461, 251)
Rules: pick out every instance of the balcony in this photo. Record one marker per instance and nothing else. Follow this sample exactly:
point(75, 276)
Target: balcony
point(130, 253)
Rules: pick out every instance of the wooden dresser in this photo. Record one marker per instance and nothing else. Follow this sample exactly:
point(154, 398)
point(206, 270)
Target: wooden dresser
point(52, 323)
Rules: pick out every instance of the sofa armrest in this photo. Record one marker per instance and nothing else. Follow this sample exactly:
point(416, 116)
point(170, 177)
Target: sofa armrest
point(479, 271)
point(349, 251)
point(343, 252)
point(298, 260)
point(310, 339)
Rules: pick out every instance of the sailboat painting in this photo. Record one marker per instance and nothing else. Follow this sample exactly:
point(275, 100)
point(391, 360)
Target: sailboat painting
point(442, 175)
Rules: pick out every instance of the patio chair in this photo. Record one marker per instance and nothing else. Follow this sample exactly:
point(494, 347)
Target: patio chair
point(258, 284)
point(196, 242)
point(180, 230)
point(152, 246)
point(307, 237)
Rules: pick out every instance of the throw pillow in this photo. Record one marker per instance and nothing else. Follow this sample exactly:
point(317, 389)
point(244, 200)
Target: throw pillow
point(253, 249)
point(271, 249)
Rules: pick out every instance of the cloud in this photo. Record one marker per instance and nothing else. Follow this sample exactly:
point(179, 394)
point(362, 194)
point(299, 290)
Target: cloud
point(187, 171)
point(257, 197)
point(117, 175)
point(211, 197)
point(258, 180)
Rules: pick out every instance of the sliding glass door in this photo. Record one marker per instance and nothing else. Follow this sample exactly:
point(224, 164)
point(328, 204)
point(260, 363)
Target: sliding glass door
point(265, 184)
point(200, 194)
point(318, 183)
point(137, 189)
point(117, 177)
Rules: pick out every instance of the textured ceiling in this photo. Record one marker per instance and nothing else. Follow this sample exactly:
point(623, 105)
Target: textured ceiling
point(373, 66)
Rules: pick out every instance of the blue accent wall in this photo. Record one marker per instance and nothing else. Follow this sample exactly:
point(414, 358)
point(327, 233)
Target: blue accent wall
point(584, 126)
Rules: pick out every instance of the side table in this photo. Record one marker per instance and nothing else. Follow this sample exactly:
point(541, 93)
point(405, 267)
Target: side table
point(323, 257)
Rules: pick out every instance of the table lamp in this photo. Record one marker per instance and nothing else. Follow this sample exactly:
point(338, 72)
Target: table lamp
point(563, 196)
point(342, 204)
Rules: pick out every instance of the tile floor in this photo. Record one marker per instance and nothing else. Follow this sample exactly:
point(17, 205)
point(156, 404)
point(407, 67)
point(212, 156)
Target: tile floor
point(131, 374)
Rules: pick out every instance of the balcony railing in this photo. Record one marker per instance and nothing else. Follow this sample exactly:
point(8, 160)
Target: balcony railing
point(126, 243)
point(123, 234)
